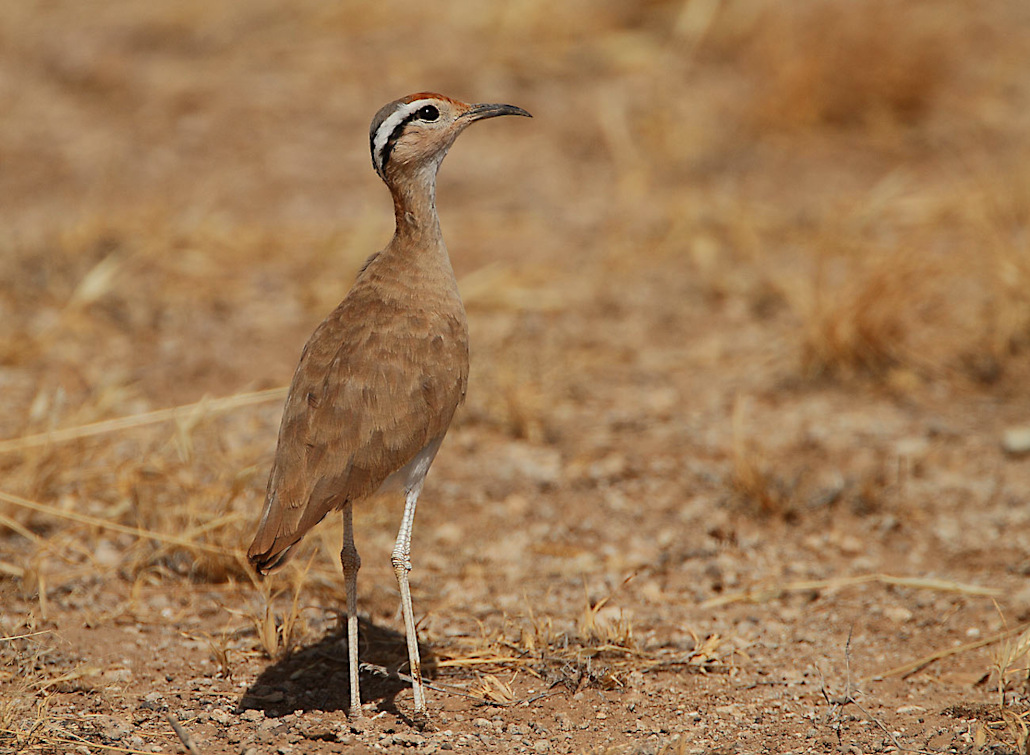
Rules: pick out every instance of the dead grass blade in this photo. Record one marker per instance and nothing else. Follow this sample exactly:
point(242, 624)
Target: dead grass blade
point(187, 412)
point(906, 669)
point(772, 592)
point(25, 636)
point(71, 676)
point(279, 634)
point(600, 651)
point(25, 532)
point(62, 740)
point(493, 690)
point(11, 570)
point(185, 542)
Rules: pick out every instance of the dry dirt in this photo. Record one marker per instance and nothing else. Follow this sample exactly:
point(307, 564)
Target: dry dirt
point(749, 302)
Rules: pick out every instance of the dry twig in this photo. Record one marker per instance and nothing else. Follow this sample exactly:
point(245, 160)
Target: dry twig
point(183, 735)
point(763, 594)
point(103, 523)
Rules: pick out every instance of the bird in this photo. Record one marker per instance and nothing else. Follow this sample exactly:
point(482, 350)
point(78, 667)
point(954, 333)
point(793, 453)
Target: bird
point(381, 377)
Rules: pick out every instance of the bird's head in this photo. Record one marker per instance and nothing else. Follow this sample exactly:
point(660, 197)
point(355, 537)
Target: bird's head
point(413, 134)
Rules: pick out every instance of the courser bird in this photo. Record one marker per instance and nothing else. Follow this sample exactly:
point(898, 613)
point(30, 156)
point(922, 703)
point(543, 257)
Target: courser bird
point(380, 379)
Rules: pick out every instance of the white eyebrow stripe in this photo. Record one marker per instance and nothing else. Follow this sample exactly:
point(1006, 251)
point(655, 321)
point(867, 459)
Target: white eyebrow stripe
point(387, 126)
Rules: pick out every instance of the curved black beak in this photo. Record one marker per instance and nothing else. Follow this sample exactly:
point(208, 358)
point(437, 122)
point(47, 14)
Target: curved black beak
point(479, 112)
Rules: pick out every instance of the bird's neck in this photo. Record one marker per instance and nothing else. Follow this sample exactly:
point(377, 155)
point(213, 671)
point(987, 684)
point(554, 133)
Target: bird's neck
point(414, 206)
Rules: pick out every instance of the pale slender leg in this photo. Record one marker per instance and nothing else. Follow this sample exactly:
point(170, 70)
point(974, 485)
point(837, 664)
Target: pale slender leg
point(401, 566)
point(351, 562)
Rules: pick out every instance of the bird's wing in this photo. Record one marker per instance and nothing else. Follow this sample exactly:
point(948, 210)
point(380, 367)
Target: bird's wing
point(375, 385)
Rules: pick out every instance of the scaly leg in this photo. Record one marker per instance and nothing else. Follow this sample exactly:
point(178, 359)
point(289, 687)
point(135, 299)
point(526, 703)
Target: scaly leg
point(401, 561)
point(351, 562)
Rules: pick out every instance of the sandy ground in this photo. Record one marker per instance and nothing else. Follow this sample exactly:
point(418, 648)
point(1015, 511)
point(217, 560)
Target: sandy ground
point(743, 466)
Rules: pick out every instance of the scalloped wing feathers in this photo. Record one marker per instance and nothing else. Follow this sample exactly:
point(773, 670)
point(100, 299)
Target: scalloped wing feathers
point(378, 381)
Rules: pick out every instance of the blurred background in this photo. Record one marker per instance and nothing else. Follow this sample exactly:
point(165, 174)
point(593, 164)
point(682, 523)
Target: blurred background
point(748, 261)
point(183, 184)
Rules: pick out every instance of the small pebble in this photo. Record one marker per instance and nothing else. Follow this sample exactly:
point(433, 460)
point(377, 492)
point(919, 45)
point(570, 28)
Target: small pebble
point(1016, 440)
point(113, 729)
point(910, 709)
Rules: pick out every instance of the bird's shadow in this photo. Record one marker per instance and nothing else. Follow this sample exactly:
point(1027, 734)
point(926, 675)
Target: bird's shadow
point(316, 676)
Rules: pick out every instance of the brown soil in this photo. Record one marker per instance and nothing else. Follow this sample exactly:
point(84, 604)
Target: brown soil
point(739, 470)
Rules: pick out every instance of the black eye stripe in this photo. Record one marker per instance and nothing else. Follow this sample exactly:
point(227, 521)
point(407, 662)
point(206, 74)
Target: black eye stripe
point(428, 113)
point(394, 136)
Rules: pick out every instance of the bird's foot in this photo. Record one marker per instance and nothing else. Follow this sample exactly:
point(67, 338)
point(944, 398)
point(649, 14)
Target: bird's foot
point(422, 722)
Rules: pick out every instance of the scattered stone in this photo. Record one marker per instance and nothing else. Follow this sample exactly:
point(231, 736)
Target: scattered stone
point(153, 701)
point(1015, 441)
point(404, 740)
point(611, 468)
point(118, 675)
point(105, 553)
point(112, 729)
point(541, 745)
point(899, 614)
point(269, 697)
point(733, 710)
point(540, 465)
point(220, 716)
point(906, 710)
point(317, 730)
point(252, 714)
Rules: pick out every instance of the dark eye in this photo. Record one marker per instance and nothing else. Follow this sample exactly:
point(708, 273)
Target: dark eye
point(428, 113)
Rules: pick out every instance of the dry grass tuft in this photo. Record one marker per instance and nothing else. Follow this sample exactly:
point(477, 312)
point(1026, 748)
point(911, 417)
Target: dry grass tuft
point(280, 633)
point(31, 672)
point(1011, 670)
point(999, 219)
point(751, 480)
point(601, 652)
point(849, 65)
point(858, 311)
